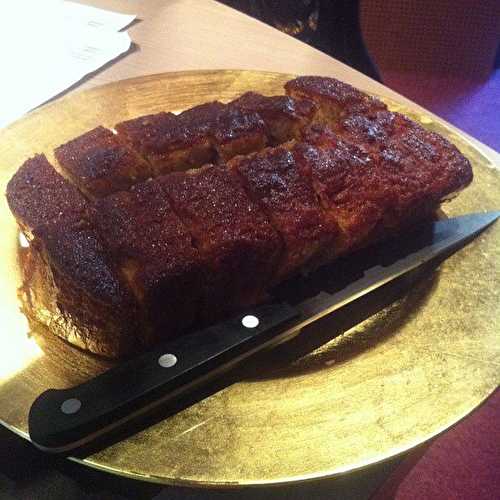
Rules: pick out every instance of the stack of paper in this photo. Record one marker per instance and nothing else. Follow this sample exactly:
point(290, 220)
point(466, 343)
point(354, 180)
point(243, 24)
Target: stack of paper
point(48, 46)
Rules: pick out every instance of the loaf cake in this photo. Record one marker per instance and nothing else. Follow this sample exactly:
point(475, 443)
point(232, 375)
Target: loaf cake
point(170, 222)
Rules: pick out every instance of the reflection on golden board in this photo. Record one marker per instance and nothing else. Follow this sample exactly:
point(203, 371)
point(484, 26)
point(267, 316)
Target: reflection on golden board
point(386, 385)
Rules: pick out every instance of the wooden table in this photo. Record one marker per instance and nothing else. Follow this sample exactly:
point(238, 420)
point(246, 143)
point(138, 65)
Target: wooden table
point(176, 35)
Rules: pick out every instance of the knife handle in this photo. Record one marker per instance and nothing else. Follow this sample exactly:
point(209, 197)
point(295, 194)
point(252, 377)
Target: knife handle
point(61, 420)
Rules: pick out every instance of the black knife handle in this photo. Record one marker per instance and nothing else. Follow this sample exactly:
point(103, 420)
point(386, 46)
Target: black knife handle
point(61, 420)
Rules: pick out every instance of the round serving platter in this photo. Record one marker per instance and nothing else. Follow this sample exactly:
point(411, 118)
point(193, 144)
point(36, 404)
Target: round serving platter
point(390, 383)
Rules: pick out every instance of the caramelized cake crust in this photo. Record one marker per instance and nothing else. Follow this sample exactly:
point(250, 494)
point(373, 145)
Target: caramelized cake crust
point(283, 116)
point(99, 163)
point(164, 141)
point(335, 99)
point(38, 195)
point(273, 180)
point(154, 254)
point(373, 194)
point(208, 132)
point(76, 291)
point(238, 246)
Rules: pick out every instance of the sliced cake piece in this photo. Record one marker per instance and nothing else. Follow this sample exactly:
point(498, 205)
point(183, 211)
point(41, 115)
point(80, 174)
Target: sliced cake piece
point(70, 283)
point(239, 247)
point(38, 195)
point(335, 99)
point(425, 167)
point(74, 288)
point(272, 179)
point(237, 132)
point(284, 116)
point(154, 253)
point(370, 195)
point(373, 132)
point(409, 154)
point(205, 133)
point(99, 163)
point(348, 184)
point(229, 130)
point(165, 142)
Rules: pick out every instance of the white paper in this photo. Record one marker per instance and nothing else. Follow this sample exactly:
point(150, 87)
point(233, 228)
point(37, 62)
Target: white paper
point(46, 47)
point(96, 18)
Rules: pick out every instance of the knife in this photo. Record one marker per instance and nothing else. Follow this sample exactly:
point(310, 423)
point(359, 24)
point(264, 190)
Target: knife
point(62, 420)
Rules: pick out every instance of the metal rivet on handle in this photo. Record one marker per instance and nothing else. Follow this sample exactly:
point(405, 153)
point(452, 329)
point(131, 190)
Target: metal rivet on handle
point(71, 406)
point(167, 360)
point(250, 321)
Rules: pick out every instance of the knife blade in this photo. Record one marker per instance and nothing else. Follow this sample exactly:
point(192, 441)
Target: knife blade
point(61, 420)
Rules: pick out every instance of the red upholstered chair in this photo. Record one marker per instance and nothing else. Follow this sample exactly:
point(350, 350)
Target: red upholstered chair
point(441, 54)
